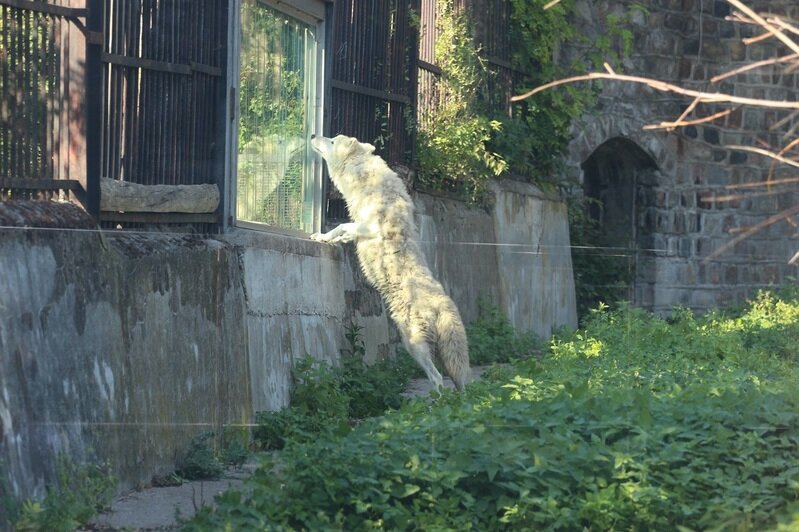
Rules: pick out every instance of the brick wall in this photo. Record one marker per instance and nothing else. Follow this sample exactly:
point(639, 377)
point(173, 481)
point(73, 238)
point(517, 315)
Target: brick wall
point(688, 227)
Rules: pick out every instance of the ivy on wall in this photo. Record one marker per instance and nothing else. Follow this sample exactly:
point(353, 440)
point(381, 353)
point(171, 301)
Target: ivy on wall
point(469, 137)
point(453, 151)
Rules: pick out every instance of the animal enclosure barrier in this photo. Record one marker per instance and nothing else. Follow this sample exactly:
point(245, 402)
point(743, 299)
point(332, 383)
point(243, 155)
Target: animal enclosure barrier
point(164, 104)
point(137, 91)
point(492, 40)
point(275, 172)
point(373, 80)
point(49, 101)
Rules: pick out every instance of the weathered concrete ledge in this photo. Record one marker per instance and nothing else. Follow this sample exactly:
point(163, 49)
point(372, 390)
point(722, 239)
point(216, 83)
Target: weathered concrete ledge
point(121, 346)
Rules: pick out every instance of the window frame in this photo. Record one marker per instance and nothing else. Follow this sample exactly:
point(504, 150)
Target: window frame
point(313, 13)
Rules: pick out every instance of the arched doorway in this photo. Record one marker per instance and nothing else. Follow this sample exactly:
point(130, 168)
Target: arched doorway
point(619, 179)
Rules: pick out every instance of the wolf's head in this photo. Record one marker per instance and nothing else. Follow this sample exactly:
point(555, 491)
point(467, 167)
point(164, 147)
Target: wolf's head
point(343, 155)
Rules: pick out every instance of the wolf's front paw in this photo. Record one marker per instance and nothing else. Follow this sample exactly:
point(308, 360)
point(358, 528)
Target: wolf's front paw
point(320, 237)
point(343, 238)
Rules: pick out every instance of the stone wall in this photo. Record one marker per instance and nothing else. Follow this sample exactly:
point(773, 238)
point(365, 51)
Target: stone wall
point(686, 222)
point(121, 346)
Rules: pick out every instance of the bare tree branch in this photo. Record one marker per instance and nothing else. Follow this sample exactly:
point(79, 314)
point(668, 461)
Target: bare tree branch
point(766, 25)
point(708, 97)
point(767, 153)
point(753, 66)
point(680, 122)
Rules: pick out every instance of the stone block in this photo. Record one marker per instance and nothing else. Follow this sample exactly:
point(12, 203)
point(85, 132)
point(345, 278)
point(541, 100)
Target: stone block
point(679, 22)
point(738, 157)
point(731, 274)
point(710, 134)
point(714, 50)
point(721, 8)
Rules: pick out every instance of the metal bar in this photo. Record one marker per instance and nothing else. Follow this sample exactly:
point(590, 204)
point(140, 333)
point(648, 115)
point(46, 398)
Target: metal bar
point(27, 183)
point(50, 9)
point(366, 91)
point(161, 66)
point(206, 69)
point(219, 129)
point(94, 109)
point(5, 96)
point(159, 217)
point(430, 67)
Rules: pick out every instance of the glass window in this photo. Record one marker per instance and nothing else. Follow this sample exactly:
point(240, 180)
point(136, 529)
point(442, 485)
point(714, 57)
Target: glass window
point(277, 177)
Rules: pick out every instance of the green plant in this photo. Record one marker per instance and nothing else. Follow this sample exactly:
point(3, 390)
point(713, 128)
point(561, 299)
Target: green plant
point(453, 150)
point(371, 389)
point(235, 446)
point(492, 338)
point(534, 140)
point(327, 400)
point(633, 423)
point(467, 136)
point(318, 405)
point(200, 461)
point(78, 493)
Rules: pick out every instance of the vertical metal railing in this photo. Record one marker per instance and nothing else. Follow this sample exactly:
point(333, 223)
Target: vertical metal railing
point(48, 110)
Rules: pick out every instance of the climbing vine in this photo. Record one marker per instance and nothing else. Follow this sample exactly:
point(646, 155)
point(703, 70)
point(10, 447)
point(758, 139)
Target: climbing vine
point(468, 137)
point(454, 148)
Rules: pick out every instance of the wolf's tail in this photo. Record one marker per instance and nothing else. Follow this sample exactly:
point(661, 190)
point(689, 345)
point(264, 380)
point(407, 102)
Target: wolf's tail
point(453, 349)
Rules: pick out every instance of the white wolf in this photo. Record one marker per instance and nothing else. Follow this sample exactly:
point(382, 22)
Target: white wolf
point(386, 243)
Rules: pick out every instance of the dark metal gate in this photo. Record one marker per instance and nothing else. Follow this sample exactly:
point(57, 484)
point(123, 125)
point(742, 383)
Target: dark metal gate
point(164, 75)
point(50, 100)
point(373, 87)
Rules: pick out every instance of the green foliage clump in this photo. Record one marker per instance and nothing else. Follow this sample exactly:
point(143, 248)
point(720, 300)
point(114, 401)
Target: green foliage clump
point(78, 494)
point(453, 147)
point(327, 399)
point(371, 390)
point(200, 461)
point(235, 446)
point(318, 405)
point(634, 423)
point(468, 136)
point(492, 339)
point(536, 137)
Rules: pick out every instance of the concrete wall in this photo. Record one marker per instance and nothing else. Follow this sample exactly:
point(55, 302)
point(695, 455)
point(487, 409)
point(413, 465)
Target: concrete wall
point(687, 42)
point(115, 347)
point(120, 347)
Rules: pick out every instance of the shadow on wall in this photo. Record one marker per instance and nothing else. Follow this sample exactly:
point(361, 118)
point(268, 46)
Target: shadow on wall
point(620, 179)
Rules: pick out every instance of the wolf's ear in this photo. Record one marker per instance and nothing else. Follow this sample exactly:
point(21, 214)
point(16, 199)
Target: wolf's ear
point(349, 144)
point(367, 148)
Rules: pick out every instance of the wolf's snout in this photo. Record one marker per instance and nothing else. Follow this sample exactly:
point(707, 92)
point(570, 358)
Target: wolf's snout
point(313, 136)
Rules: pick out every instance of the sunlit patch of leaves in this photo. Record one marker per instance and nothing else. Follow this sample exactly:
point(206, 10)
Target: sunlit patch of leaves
point(689, 422)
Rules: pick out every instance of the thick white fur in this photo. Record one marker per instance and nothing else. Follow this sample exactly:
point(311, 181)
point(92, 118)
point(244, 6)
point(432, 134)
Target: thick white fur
point(386, 243)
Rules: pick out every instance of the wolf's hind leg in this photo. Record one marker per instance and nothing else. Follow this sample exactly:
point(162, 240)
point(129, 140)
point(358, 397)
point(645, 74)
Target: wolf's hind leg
point(420, 351)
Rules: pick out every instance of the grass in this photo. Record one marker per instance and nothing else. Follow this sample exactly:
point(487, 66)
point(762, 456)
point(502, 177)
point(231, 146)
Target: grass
point(633, 423)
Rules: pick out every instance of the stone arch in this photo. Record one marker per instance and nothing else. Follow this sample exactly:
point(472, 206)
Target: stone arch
point(595, 131)
point(620, 178)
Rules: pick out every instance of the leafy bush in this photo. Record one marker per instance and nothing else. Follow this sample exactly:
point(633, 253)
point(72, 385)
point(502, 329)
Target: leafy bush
point(492, 339)
point(453, 144)
point(326, 399)
point(200, 461)
point(318, 405)
point(467, 136)
point(634, 423)
point(79, 493)
point(372, 390)
point(235, 446)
